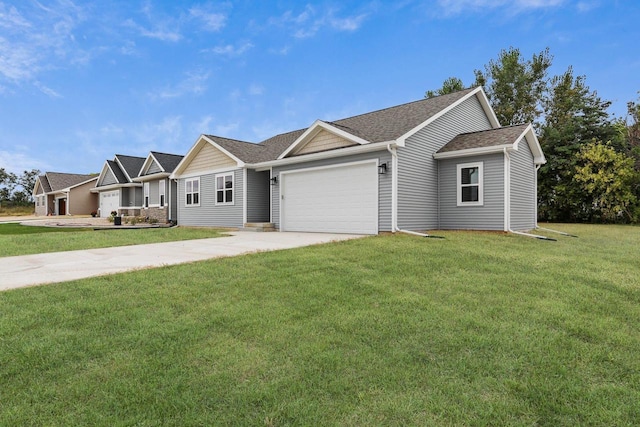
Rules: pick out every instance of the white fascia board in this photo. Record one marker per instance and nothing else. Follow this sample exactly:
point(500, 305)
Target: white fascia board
point(195, 148)
point(206, 172)
point(122, 168)
point(150, 158)
point(330, 154)
point(314, 129)
point(534, 145)
point(473, 152)
point(81, 183)
point(488, 109)
point(103, 172)
point(401, 141)
point(152, 177)
point(35, 187)
point(115, 187)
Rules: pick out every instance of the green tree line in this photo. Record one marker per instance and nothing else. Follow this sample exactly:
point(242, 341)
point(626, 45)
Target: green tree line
point(592, 172)
point(16, 190)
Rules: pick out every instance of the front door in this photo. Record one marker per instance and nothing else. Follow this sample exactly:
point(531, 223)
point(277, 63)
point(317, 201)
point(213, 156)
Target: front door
point(62, 206)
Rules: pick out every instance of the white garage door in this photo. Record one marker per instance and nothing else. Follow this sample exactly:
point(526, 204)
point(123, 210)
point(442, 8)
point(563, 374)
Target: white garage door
point(109, 201)
point(339, 199)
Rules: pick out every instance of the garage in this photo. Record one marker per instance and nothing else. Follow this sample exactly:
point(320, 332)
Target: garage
point(334, 199)
point(109, 201)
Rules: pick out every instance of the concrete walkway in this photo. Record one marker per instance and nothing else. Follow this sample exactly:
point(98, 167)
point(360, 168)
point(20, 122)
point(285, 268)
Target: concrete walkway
point(29, 270)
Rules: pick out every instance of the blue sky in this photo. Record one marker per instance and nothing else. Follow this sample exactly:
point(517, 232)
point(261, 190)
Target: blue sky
point(83, 80)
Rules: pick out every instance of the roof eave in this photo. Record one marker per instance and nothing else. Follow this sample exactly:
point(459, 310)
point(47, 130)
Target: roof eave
point(115, 187)
point(313, 130)
point(151, 177)
point(473, 151)
point(329, 154)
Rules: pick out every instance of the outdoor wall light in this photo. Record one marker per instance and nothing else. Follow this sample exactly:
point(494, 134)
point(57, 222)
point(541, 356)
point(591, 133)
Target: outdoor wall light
point(274, 180)
point(382, 168)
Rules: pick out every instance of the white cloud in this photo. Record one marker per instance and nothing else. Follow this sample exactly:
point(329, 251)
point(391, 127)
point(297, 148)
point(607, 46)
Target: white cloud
point(230, 50)
point(311, 21)
point(587, 6)
point(158, 32)
point(453, 7)
point(212, 21)
point(256, 89)
point(18, 162)
point(194, 83)
point(46, 90)
point(36, 39)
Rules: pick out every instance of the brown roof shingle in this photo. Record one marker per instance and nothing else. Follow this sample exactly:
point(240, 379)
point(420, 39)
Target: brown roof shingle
point(485, 138)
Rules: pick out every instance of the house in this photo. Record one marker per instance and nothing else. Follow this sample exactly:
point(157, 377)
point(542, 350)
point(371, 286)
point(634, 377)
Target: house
point(58, 193)
point(437, 163)
point(158, 191)
point(116, 189)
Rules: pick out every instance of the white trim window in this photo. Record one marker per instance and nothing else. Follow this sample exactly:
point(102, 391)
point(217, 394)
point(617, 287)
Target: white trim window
point(161, 193)
point(224, 189)
point(192, 191)
point(146, 194)
point(469, 184)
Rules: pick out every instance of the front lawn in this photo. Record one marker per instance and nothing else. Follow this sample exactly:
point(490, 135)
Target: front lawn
point(16, 239)
point(477, 329)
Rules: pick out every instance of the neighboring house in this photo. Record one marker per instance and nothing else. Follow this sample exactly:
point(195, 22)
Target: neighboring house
point(65, 194)
point(441, 162)
point(116, 189)
point(158, 191)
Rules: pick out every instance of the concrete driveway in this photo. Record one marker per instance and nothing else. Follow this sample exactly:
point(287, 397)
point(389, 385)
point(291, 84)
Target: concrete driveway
point(29, 270)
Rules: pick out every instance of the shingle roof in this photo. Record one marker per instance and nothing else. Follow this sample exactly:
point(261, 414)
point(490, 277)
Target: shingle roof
point(167, 161)
point(131, 164)
point(485, 138)
point(58, 181)
point(44, 182)
point(382, 125)
point(120, 176)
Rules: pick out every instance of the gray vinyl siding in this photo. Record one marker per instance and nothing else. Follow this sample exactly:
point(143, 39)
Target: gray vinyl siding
point(108, 179)
point(523, 188)
point(154, 196)
point(489, 216)
point(384, 184)
point(208, 214)
point(258, 196)
point(418, 170)
point(154, 168)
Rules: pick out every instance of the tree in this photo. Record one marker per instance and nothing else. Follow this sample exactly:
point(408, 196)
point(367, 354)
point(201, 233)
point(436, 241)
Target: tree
point(607, 177)
point(27, 181)
point(574, 116)
point(450, 85)
point(17, 190)
point(515, 86)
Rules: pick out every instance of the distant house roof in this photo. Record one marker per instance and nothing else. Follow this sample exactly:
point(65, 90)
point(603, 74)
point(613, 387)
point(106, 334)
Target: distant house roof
point(168, 162)
point(382, 125)
point(117, 172)
point(59, 181)
point(131, 165)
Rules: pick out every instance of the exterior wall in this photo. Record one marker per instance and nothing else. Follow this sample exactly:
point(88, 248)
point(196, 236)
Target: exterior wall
point(173, 200)
point(154, 168)
point(161, 213)
point(130, 201)
point(81, 200)
point(323, 141)
point(258, 189)
point(208, 214)
point(108, 178)
point(489, 216)
point(40, 199)
point(523, 188)
point(418, 170)
point(209, 158)
point(384, 184)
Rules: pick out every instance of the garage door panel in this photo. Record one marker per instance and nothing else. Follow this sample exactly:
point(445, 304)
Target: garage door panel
point(341, 199)
point(109, 201)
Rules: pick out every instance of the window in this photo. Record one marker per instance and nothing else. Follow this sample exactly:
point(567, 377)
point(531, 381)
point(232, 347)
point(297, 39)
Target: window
point(146, 194)
point(224, 189)
point(161, 189)
point(192, 191)
point(469, 184)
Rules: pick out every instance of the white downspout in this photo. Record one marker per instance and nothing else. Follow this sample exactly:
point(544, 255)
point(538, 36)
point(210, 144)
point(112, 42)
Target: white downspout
point(507, 190)
point(394, 195)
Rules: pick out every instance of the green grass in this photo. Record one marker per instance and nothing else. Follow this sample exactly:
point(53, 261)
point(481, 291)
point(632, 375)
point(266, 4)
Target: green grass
point(16, 239)
point(478, 329)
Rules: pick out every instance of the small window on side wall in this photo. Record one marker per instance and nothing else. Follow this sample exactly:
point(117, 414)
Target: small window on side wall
point(224, 189)
point(192, 192)
point(469, 184)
